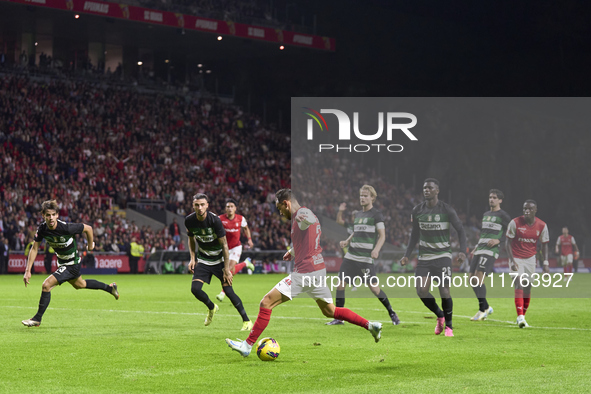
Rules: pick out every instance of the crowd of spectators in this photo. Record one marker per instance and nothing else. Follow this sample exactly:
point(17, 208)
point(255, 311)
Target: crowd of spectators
point(84, 70)
point(77, 141)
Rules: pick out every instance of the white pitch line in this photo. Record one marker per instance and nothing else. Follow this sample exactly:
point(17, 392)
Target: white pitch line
point(512, 323)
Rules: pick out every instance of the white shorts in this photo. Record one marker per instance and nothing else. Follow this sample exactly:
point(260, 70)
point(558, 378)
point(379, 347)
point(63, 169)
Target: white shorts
point(564, 260)
point(235, 253)
point(526, 266)
point(315, 286)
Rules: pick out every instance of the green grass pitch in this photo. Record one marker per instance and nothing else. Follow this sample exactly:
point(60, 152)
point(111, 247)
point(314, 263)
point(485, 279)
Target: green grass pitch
point(152, 340)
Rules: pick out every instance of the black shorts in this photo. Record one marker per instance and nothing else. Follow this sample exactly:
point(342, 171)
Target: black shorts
point(440, 267)
point(66, 273)
point(204, 272)
point(351, 269)
point(482, 262)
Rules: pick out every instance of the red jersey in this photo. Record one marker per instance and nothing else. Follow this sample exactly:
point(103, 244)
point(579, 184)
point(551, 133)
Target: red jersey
point(566, 243)
point(525, 237)
point(233, 228)
point(305, 235)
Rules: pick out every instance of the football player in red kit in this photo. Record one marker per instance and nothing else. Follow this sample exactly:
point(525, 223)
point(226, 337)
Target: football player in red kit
point(308, 263)
point(523, 234)
point(564, 248)
point(233, 224)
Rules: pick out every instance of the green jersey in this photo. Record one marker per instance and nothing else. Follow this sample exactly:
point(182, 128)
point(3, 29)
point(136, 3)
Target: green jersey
point(365, 235)
point(494, 225)
point(431, 229)
point(206, 234)
point(63, 240)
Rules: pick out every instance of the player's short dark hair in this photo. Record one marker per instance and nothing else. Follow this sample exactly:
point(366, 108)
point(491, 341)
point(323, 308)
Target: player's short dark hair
point(49, 204)
point(232, 201)
point(435, 181)
point(531, 202)
point(283, 194)
point(201, 196)
point(500, 194)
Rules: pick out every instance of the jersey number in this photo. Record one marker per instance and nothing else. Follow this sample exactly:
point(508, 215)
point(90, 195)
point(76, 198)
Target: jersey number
point(482, 262)
point(317, 237)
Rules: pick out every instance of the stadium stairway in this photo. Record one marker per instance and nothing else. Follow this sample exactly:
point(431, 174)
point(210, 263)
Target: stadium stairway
point(117, 211)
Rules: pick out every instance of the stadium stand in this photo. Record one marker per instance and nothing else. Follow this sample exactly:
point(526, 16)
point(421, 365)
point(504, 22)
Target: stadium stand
point(93, 146)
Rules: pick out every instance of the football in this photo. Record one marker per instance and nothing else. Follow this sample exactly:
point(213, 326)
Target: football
point(268, 349)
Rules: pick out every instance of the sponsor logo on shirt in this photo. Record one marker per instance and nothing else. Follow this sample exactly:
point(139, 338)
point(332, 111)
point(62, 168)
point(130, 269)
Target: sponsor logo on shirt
point(317, 259)
point(527, 240)
point(206, 238)
point(430, 226)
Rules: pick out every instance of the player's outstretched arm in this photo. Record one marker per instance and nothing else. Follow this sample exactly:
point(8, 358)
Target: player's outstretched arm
point(414, 238)
point(512, 264)
point(287, 256)
point(345, 243)
point(493, 242)
point(457, 223)
point(375, 253)
point(89, 236)
point(248, 236)
point(509, 236)
point(403, 261)
point(342, 208)
point(30, 261)
point(545, 264)
point(191, 265)
point(226, 253)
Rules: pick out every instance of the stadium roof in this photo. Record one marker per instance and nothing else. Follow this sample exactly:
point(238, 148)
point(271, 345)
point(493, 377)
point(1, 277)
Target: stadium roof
point(118, 24)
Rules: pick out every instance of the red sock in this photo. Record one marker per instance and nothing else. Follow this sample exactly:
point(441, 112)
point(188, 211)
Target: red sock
point(526, 303)
point(238, 267)
point(349, 316)
point(259, 325)
point(519, 301)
